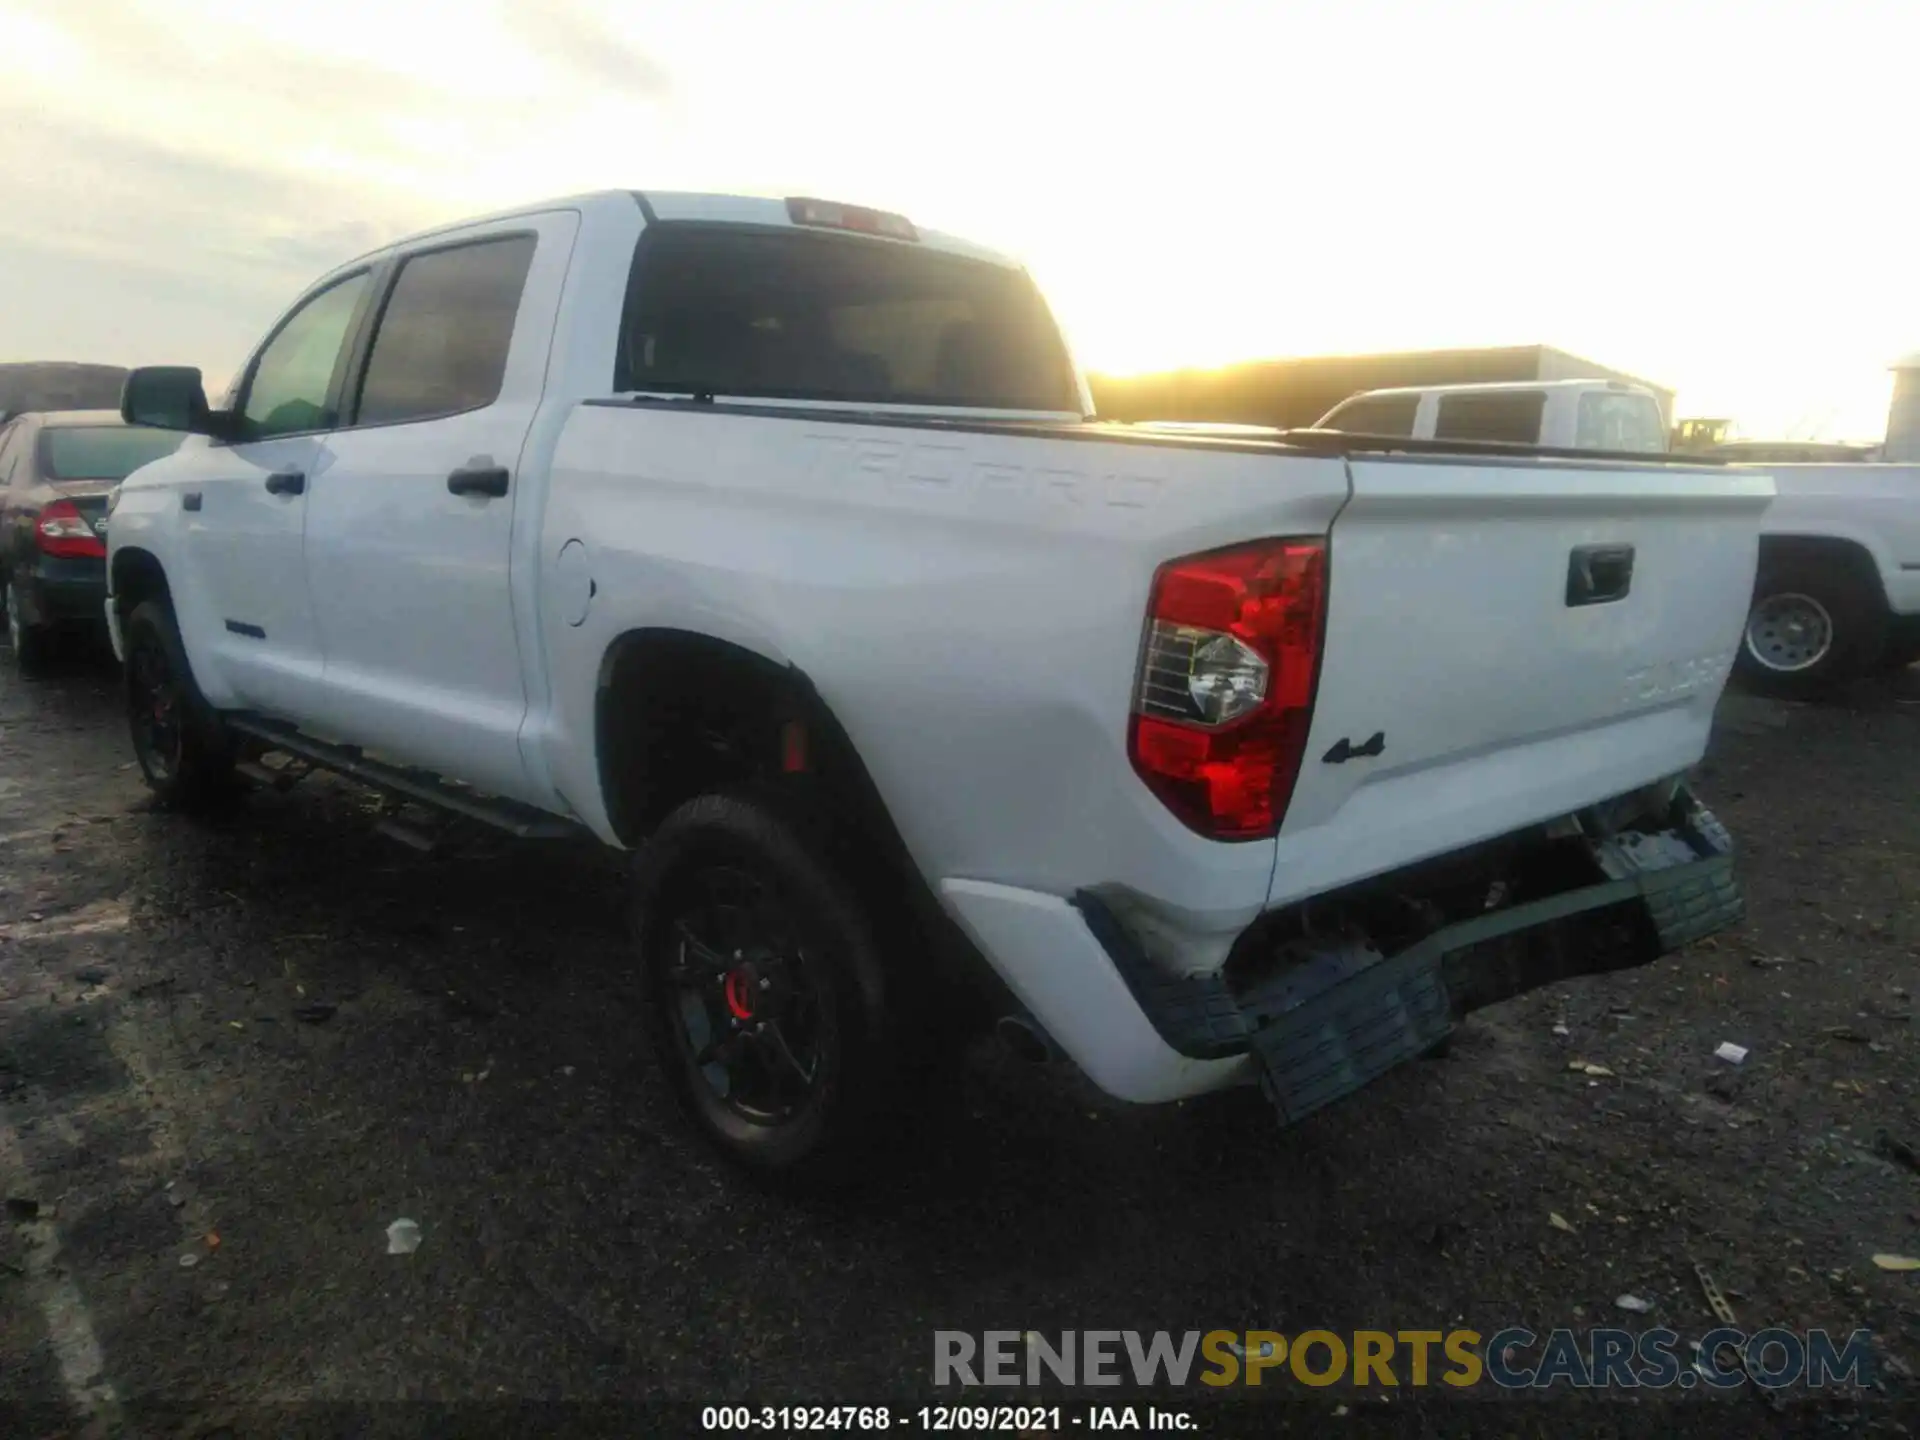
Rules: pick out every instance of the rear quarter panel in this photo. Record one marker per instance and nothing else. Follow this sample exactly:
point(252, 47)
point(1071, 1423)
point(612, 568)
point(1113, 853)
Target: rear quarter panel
point(969, 606)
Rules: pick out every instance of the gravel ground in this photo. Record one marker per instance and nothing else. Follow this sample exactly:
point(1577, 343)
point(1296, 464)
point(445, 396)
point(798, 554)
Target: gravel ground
point(215, 1165)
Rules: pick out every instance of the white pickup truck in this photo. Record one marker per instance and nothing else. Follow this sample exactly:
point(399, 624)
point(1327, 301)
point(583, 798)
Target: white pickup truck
point(1837, 595)
point(775, 541)
point(1552, 414)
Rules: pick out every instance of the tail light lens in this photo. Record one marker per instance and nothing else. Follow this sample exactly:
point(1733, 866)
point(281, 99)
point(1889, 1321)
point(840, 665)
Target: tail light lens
point(831, 216)
point(1225, 695)
point(62, 531)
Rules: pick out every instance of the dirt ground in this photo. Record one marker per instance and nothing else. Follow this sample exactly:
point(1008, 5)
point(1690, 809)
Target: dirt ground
point(201, 1171)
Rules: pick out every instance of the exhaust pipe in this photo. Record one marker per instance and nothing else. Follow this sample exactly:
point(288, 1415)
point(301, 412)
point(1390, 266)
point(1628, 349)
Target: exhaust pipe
point(1021, 1037)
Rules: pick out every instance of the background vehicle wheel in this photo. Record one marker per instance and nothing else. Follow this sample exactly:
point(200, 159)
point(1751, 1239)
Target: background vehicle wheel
point(762, 982)
point(1813, 625)
point(183, 750)
point(32, 644)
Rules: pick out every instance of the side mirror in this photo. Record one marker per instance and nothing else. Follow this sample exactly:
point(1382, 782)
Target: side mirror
point(166, 397)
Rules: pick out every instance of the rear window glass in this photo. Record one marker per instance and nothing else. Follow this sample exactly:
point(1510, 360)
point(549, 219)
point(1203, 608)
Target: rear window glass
point(1381, 415)
point(1511, 416)
point(791, 315)
point(1610, 421)
point(102, 452)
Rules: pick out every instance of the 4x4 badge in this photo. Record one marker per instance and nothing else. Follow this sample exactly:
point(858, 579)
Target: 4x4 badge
point(1343, 750)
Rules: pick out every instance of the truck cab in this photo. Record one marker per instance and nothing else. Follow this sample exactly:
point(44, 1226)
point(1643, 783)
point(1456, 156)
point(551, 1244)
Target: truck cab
point(1608, 415)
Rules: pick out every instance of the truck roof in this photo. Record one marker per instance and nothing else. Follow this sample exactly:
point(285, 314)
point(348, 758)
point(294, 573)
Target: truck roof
point(1484, 385)
point(685, 205)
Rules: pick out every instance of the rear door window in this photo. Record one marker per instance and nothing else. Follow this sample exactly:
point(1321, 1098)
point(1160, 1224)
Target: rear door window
point(777, 314)
point(1509, 416)
point(443, 337)
point(1377, 415)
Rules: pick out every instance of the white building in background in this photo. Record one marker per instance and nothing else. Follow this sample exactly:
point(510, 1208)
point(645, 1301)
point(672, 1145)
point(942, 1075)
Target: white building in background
point(1903, 415)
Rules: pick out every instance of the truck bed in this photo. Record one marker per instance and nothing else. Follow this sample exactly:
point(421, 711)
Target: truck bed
point(1252, 439)
point(903, 562)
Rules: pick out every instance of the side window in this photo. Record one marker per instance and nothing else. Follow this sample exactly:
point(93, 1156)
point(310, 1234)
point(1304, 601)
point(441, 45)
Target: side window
point(441, 346)
point(1381, 415)
point(9, 451)
point(1510, 416)
point(1615, 421)
point(287, 391)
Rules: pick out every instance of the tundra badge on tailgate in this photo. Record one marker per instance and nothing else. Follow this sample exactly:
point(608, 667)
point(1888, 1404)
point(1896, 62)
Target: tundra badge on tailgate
point(1673, 678)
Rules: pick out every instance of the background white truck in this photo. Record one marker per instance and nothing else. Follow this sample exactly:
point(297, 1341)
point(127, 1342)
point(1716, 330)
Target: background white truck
point(1837, 594)
point(1608, 415)
point(774, 541)
point(1837, 591)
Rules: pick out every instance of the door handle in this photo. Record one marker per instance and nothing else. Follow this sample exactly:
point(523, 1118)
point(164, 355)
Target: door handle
point(1598, 574)
point(190, 500)
point(478, 480)
point(286, 482)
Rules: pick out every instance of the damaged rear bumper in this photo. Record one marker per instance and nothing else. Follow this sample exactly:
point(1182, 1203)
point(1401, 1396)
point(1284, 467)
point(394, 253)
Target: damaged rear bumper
point(1337, 1016)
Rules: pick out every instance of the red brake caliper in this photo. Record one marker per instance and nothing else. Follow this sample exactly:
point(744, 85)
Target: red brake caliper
point(739, 994)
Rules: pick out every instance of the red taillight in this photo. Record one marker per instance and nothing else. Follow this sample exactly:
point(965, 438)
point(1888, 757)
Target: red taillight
point(62, 531)
point(1225, 694)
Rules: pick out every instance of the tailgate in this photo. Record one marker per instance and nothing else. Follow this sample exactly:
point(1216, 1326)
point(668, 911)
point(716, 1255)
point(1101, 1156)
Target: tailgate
point(1524, 637)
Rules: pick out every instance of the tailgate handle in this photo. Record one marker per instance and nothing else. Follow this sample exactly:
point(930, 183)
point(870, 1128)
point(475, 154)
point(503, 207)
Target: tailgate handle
point(1597, 574)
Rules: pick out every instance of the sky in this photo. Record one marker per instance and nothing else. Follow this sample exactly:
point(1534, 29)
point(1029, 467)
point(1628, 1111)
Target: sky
point(1719, 197)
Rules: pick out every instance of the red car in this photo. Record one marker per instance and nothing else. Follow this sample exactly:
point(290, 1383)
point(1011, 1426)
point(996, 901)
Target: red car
point(56, 469)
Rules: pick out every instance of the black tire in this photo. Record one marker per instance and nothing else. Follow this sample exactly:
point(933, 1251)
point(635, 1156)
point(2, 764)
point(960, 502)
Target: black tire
point(1814, 625)
point(795, 1102)
point(32, 645)
point(184, 751)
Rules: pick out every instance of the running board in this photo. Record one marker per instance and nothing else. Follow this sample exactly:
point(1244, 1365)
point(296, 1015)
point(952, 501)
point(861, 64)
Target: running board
point(421, 785)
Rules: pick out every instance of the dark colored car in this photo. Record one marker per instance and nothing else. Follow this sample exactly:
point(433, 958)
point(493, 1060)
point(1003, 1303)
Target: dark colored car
point(56, 469)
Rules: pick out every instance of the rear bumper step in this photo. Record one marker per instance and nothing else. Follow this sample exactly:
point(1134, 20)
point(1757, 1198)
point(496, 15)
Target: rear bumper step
point(1324, 1028)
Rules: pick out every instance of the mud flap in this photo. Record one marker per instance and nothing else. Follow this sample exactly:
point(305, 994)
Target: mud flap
point(1325, 1025)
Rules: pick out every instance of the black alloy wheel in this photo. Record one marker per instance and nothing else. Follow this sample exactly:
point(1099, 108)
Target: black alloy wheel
point(761, 978)
point(184, 751)
point(154, 710)
point(756, 1022)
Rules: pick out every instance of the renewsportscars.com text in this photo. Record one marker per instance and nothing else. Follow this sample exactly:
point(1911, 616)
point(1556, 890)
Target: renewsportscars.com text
point(1512, 1358)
